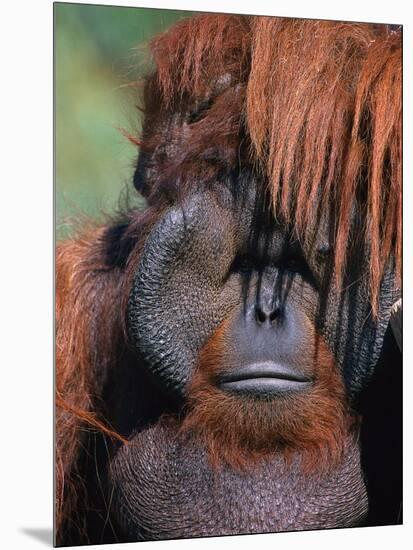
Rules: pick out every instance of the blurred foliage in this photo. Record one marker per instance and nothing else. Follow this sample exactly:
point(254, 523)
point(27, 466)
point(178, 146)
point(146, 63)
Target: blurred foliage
point(98, 53)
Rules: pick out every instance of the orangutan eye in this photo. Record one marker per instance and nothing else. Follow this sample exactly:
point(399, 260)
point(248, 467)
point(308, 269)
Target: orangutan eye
point(295, 264)
point(245, 263)
point(323, 252)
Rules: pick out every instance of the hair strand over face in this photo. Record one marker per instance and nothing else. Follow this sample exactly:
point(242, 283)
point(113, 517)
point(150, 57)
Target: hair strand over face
point(321, 104)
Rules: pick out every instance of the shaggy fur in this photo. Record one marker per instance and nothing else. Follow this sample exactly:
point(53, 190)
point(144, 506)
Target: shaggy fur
point(84, 352)
point(320, 103)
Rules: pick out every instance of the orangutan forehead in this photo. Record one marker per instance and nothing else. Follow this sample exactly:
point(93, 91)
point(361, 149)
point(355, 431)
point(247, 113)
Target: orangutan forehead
point(313, 106)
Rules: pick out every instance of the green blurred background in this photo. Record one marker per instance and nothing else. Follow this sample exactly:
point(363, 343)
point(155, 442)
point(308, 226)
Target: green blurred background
point(99, 51)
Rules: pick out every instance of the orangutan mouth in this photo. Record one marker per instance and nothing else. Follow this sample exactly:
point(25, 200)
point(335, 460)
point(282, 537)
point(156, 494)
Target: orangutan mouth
point(266, 378)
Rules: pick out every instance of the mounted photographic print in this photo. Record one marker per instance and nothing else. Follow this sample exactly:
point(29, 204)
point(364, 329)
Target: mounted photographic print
point(228, 274)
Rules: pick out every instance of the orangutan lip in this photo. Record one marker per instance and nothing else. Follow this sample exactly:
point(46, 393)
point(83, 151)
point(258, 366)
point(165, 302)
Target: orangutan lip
point(265, 369)
point(264, 378)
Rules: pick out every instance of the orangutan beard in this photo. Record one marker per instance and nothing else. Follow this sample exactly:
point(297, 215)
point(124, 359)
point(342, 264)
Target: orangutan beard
point(243, 430)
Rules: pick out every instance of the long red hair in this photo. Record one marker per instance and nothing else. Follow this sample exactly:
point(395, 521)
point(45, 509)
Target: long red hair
point(321, 104)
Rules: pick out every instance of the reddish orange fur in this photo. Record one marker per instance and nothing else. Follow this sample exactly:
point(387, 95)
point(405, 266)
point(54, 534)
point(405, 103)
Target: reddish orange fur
point(320, 102)
point(82, 358)
point(91, 301)
point(241, 431)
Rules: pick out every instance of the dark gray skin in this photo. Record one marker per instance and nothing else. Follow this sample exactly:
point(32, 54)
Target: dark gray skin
point(184, 286)
point(163, 490)
point(210, 257)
